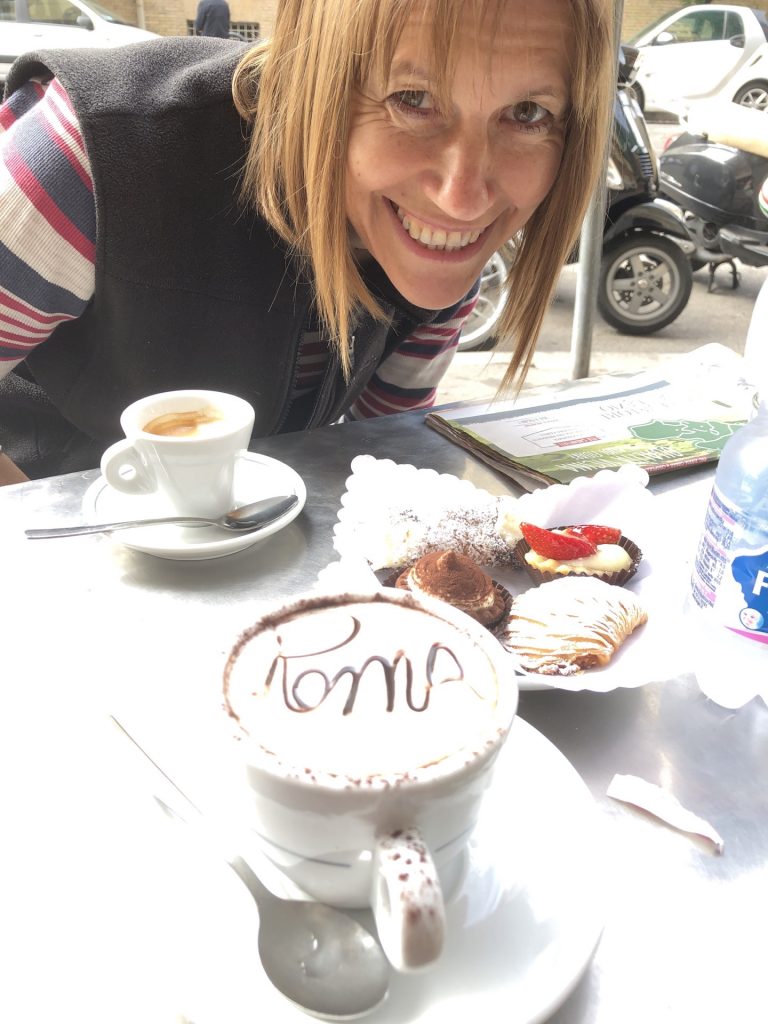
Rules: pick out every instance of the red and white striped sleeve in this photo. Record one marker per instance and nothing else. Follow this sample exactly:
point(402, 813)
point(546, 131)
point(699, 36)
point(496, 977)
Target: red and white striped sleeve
point(408, 378)
point(47, 219)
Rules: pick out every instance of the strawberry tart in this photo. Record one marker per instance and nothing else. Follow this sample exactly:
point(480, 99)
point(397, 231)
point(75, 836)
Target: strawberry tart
point(590, 549)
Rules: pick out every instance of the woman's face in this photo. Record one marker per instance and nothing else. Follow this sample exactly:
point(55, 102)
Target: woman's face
point(432, 193)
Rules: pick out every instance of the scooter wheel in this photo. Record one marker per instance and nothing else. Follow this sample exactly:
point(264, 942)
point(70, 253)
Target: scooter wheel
point(645, 282)
point(479, 332)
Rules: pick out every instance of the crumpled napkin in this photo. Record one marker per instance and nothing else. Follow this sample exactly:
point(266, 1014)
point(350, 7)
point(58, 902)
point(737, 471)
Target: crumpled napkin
point(663, 805)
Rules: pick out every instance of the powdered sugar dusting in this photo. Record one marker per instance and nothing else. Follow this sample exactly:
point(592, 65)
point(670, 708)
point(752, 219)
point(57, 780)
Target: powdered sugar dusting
point(392, 514)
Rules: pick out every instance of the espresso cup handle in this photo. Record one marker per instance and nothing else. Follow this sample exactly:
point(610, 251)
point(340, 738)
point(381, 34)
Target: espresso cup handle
point(407, 901)
point(124, 469)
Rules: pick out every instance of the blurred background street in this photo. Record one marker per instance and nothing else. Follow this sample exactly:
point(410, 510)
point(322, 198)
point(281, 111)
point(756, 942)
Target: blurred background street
point(721, 314)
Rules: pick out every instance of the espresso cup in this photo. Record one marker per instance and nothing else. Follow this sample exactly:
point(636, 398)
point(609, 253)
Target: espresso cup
point(181, 447)
point(368, 726)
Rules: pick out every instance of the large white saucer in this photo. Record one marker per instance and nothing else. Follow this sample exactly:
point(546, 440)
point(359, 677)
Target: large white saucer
point(256, 476)
point(524, 920)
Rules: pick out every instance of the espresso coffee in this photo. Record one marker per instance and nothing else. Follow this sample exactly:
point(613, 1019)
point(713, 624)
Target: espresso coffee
point(370, 691)
point(187, 423)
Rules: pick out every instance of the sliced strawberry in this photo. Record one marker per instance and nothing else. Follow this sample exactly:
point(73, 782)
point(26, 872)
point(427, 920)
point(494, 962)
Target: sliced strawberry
point(561, 546)
point(597, 534)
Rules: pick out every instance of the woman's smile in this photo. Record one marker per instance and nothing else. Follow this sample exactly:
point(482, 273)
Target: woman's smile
point(443, 239)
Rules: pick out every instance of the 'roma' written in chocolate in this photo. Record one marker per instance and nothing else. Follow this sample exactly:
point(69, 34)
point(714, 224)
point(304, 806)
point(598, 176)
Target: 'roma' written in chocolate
point(306, 689)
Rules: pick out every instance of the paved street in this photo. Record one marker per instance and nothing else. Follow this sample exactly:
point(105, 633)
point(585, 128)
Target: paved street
point(720, 315)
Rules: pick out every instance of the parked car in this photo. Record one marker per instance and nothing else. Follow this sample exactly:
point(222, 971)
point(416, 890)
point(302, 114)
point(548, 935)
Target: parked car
point(33, 24)
point(691, 53)
point(748, 86)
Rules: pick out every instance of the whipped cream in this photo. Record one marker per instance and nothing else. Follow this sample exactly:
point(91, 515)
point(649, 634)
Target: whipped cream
point(607, 558)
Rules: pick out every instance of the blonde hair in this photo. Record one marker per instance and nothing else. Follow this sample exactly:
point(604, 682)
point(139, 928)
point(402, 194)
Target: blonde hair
point(298, 89)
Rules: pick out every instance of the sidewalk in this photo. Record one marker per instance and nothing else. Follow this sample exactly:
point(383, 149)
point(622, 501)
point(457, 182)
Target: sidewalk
point(721, 315)
point(478, 375)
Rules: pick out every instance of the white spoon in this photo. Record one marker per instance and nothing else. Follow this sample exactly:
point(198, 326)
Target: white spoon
point(319, 958)
point(245, 519)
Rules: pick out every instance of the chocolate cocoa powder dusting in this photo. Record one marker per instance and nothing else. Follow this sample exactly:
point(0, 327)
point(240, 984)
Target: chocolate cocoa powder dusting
point(459, 581)
point(452, 576)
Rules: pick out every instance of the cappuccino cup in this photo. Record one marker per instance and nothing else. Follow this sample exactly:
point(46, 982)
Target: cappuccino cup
point(367, 727)
point(181, 447)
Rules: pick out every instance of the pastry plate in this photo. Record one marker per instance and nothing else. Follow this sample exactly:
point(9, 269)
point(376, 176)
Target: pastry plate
point(523, 920)
point(256, 476)
point(378, 490)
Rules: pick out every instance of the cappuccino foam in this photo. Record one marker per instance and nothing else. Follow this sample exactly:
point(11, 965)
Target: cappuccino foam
point(204, 422)
point(363, 688)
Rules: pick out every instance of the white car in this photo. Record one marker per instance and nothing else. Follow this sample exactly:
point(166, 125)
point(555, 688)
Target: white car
point(691, 54)
point(34, 24)
point(748, 86)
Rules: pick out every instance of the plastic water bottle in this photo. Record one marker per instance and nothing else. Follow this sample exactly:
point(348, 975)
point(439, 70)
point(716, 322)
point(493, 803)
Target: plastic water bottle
point(729, 582)
point(730, 573)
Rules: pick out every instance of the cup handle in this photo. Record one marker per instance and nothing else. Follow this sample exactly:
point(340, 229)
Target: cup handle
point(122, 456)
point(407, 901)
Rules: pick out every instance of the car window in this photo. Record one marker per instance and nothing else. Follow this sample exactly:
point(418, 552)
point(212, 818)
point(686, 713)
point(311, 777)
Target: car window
point(699, 27)
point(54, 12)
point(7, 10)
point(762, 21)
point(106, 14)
point(734, 25)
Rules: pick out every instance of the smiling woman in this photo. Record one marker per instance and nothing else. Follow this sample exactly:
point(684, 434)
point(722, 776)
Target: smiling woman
point(439, 174)
point(465, 123)
point(303, 224)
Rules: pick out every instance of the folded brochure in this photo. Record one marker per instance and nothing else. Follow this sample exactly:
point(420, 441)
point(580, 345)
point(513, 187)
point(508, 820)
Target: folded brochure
point(662, 421)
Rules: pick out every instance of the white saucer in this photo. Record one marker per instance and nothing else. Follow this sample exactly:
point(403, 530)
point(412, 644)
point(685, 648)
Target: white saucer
point(256, 476)
point(523, 923)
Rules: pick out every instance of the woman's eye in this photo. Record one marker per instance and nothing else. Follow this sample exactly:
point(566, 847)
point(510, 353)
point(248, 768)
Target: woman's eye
point(412, 100)
point(530, 116)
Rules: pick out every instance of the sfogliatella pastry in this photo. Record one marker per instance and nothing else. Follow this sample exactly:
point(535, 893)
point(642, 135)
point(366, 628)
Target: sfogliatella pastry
point(586, 550)
point(570, 624)
point(457, 580)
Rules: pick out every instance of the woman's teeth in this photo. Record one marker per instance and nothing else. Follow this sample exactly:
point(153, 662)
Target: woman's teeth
point(435, 238)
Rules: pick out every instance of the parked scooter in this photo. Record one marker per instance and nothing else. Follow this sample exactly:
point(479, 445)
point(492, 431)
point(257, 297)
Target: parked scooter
point(645, 275)
point(717, 171)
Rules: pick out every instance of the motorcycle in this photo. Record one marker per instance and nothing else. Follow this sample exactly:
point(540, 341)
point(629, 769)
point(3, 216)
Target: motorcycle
point(645, 275)
point(717, 171)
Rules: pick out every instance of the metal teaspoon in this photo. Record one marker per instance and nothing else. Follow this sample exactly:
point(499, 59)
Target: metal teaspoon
point(321, 959)
point(245, 519)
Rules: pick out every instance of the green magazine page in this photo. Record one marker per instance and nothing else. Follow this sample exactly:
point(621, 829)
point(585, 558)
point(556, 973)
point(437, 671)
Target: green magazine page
point(661, 424)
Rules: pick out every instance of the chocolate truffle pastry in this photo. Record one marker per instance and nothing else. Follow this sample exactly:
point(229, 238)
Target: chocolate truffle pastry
point(570, 624)
point(457, 580)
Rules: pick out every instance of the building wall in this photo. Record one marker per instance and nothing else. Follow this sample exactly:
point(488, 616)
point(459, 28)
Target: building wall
point(639, 13)
point(169, 17)
point(166, 17)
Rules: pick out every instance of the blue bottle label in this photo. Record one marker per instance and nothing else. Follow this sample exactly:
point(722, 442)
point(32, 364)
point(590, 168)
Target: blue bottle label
point(730, 573)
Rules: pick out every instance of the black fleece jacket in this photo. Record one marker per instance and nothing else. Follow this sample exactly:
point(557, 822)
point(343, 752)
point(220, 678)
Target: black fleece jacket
point(192, 289)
